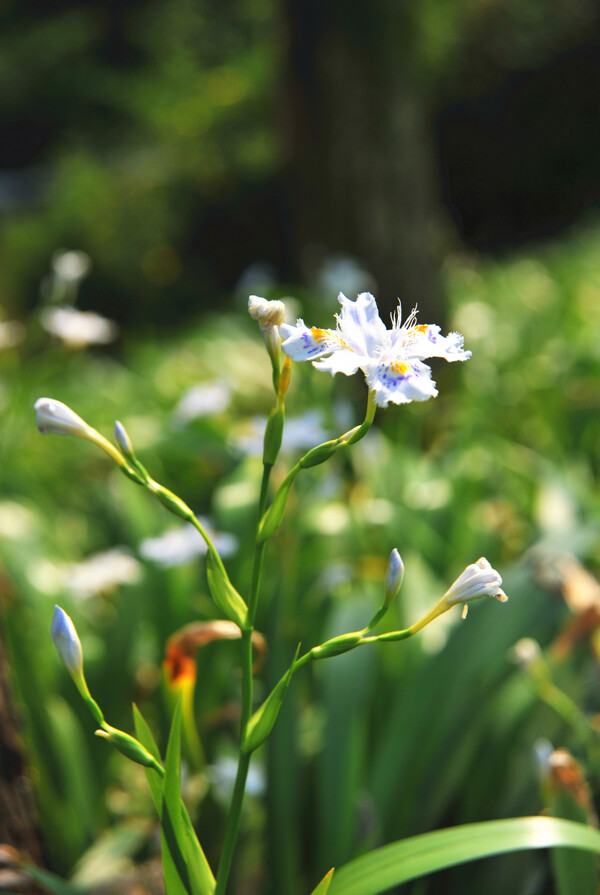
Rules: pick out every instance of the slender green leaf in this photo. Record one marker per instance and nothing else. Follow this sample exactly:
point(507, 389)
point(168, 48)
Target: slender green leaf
point(323, 886)
point(400, 862)
point(173, 882)
point(51, 882)
point(144, 735)
point(196, 856)
point(170, 816)
point(195, 852)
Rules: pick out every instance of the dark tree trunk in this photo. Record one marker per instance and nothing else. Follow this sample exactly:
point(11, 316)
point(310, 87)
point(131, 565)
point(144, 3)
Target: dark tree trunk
point(17, 813)
point(360, 143)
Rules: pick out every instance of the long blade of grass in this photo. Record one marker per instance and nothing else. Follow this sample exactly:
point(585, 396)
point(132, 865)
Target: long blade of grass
point(323, 887)
point(400, 862)
point(52, 883)
point(181, 848)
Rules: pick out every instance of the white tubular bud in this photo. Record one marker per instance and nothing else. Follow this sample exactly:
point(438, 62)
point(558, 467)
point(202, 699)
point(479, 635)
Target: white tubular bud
point(55, 417)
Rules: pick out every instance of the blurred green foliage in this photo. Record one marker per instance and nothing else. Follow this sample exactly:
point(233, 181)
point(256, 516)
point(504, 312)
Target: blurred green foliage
point(374, 745)
point(134, 118)
point(157, 136)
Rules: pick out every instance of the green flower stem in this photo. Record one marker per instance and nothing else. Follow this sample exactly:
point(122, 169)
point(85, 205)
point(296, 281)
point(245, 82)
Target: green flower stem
point(270, 521)
point(90, 701)
point(179, 508)
point(233, 819)
point(235, 809)
point(233, 824)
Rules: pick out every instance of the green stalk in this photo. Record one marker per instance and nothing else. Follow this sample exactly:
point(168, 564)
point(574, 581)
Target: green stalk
point(233, 824)
point(235, 809)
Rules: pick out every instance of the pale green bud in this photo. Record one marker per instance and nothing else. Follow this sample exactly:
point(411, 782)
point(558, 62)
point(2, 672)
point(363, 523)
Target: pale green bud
point(129, 747)
point(173, 503)
point(262, 721)
point(393, 581)
point(134, 470)
point(66, 641)
point(270, 521)
point(394, 576)
point(224, 593)
point(319, 454)
point(123, 440)
point(273, 435)
point(68, 645)
point(336, 646)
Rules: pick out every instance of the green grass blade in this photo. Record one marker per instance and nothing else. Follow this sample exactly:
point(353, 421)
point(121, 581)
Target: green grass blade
point(174, 884)
point(172, 822)
point(195, 873)
point(323, 886)
point(400, 862)
point(52, 883)
point(144, 735)
point(187, 849)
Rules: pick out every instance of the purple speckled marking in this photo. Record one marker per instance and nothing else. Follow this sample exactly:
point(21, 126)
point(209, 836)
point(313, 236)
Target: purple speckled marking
point(307, 339)
point(391, 379)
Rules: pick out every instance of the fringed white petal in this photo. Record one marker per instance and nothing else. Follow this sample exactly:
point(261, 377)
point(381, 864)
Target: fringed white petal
point(346, 362)
point(400, 383)
point(360, 323)
point(428, 342)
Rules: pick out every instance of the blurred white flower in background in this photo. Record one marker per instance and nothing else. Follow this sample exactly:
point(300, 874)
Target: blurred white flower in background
point(103, 572)
point(342, 273)
point(69, 269)
point(78, 329)
point(260, 276)
point(300, 432)
point(222, 776)
point(183, 544)
point(11, 333)
point(71, 266)
point(204, 399)
point(17, 522)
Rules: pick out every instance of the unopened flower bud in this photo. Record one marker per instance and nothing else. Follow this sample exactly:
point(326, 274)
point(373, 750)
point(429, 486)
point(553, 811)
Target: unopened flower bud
point(269, 315)
point(129, 747)
point(319, 454)
point(270, 521)
point(266, 313)
point(336, 646)
point(55, 417)
point(273, 434)
point(66, 641)
point(224, 593)
point(394, 576)
point(123, 440)
point(478, 580)
point(261, 723)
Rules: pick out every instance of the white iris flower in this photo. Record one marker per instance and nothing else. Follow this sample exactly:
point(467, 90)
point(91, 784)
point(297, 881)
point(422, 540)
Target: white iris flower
point(391, 359)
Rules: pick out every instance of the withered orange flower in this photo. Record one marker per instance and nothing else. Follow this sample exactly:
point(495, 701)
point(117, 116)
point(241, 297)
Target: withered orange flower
point(180, 652)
